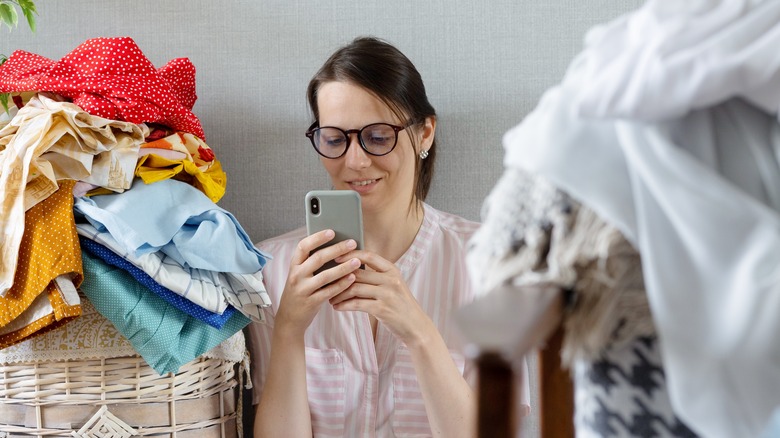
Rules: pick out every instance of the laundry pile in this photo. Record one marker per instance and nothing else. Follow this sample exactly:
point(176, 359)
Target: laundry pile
point(108, 189)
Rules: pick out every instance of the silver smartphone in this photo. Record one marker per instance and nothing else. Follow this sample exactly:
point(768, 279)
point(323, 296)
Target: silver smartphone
point(338, 210)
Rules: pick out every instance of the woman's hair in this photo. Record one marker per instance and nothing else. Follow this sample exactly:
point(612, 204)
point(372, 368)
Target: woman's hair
point(384, 71)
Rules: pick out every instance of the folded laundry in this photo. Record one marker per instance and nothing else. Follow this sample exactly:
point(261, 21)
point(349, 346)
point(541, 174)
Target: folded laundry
point(164, 336)
point(216, 320)
point(152, 168)
point(111, 78)
point(177, 219)
point(43, 296)
point(47, 141)
point(193, 148)
point(197, 164)
point(208, 289)
point(92, 336)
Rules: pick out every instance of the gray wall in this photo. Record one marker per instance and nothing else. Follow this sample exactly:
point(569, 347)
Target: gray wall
point(485, 64)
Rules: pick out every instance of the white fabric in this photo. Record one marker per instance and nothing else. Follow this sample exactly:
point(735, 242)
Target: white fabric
point(47, 141)
point(211, 290)
point(698, 194)
point(674, 56)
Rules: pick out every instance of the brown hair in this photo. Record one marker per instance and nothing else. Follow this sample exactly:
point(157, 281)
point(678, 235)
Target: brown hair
point(384, 71)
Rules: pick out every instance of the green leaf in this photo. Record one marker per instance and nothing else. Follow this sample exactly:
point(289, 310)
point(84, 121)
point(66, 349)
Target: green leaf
point(8, 15)
point(29, 11)
point(28, 14)
point(4, 101)
point(27, 4)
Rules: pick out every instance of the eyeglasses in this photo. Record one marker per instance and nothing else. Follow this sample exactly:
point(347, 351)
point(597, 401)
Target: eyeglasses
point(376, 139)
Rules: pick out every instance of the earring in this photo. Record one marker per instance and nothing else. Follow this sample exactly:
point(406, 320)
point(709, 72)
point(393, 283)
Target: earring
point(423, 154)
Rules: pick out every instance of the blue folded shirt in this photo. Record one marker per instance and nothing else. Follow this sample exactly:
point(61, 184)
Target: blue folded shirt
point(177, 219)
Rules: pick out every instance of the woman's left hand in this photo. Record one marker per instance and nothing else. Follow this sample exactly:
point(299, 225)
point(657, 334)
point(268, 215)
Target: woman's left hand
point(381, 292)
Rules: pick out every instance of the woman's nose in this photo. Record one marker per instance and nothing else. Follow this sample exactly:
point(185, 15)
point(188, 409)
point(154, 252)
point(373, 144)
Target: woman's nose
point(357, 158)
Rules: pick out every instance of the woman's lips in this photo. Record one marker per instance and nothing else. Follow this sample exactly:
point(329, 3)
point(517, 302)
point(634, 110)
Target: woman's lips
point(363, 185)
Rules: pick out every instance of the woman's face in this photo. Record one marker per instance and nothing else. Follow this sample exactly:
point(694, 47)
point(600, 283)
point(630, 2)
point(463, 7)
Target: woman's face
point(384, 183)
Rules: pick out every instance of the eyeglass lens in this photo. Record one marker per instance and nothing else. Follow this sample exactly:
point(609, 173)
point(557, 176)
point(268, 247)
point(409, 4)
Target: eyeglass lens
point(376, 139)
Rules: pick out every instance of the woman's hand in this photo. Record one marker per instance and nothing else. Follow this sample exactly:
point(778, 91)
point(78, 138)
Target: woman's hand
point(305, 292)
point(381, 292)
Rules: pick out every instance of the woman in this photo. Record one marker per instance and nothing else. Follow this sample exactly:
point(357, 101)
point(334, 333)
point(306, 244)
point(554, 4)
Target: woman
point(374, 352)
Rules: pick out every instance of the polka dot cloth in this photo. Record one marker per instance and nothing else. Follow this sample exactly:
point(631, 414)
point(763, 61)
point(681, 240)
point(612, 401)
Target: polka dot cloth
point(49, 248)
point(164, 336)
point(211, 318)
point(111, 78)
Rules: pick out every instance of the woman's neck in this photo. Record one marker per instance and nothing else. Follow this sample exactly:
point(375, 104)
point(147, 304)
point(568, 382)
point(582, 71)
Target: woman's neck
point(390, 235)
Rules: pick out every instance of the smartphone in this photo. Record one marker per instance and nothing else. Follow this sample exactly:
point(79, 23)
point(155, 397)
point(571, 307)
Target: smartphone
point(338, 210)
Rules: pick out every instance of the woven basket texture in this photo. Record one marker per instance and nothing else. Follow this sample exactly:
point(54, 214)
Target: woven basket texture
point(57, 398)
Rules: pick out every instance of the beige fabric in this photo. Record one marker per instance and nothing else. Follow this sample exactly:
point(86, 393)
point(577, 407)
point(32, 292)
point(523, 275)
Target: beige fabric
point(534, 233)
point(48, 141)
point(92, 336)
point(610, 304)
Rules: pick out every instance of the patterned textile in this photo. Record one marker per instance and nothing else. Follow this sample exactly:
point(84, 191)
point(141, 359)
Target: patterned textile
point(164, 336)
point(623, 394)
point(152, 168)
point(208, 289)
point(47, 141)
point(188, 145)
point(359, 386)
point(534, 233)
point(49, 249)
point(111, 78)
point(197, 166)
point(216, 320)
point(92, 336)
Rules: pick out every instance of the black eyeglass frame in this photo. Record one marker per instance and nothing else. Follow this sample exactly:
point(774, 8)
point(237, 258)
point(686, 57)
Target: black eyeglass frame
point(396, 129)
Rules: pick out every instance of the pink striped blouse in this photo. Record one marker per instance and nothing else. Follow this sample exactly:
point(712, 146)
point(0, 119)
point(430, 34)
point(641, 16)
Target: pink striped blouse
point(356, 387)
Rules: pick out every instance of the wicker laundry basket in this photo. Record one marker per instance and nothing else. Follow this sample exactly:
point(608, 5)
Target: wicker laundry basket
point(85, 380)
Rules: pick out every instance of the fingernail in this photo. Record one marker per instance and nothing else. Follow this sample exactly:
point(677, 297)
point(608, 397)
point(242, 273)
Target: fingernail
point(351, 244)
point(330, 233)
point(354, 263)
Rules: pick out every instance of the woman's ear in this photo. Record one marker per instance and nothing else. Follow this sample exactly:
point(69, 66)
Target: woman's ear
point(428, 133)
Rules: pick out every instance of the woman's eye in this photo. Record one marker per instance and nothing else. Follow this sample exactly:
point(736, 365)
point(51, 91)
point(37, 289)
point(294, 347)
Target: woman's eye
point(376, 139)
point(333, 141)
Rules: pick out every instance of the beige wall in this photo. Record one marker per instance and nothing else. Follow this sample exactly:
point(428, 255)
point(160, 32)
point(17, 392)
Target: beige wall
point(485, 64)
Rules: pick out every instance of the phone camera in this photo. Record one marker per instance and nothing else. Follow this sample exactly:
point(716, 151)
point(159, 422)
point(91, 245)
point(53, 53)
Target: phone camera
point(315, 205)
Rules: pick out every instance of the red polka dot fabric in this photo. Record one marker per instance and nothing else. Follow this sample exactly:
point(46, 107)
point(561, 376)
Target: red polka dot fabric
point(111, 78)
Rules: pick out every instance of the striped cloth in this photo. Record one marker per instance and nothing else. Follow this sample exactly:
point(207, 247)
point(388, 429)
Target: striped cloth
point(356, 386)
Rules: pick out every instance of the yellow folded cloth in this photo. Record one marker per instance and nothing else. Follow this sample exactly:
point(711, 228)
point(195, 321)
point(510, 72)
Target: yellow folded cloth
point(43, 294)
point(152, 168)
point(197, 167)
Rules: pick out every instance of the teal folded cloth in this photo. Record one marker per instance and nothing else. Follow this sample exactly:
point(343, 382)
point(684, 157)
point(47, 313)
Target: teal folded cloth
point(163, 335)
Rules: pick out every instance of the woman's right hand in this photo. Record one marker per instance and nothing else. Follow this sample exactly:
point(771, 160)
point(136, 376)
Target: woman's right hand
point(305, 292)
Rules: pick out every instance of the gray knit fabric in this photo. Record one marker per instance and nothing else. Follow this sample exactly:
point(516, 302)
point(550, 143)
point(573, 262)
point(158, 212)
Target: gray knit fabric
point(534, 233)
